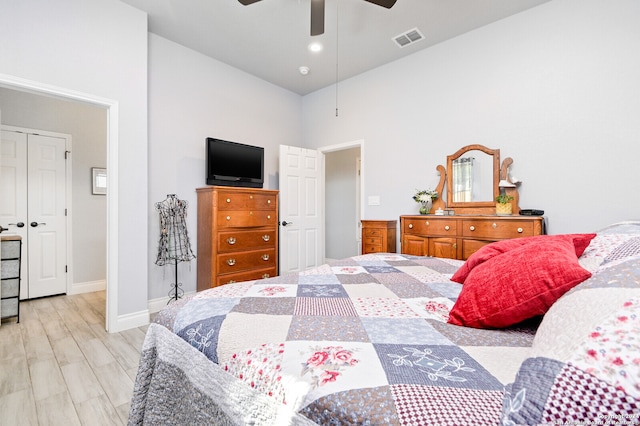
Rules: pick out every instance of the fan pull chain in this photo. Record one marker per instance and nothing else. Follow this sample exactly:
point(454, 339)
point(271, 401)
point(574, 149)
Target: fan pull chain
point(337, 33)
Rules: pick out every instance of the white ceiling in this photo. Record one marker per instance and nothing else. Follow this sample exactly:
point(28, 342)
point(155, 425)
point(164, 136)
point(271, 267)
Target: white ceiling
point(270, 39)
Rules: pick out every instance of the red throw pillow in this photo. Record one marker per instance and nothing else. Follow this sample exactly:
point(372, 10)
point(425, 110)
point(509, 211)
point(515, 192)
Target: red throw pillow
point(519, 284)
point(580, 242)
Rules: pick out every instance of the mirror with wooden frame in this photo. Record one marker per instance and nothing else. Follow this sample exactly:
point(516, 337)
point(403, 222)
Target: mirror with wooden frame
point(472, 176)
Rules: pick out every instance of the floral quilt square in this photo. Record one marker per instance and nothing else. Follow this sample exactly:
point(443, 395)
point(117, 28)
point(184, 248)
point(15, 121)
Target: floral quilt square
point(317, 369)
point(272, 290)
point(348, 270)
point(435, 365)
point(436, 308)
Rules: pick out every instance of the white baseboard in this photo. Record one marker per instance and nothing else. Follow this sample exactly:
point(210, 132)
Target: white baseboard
point(141, 318)
point(88, 287)
point(133, 320)
point(155, 305)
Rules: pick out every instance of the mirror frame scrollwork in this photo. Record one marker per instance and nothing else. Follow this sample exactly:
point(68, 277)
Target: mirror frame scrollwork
point(475, 207)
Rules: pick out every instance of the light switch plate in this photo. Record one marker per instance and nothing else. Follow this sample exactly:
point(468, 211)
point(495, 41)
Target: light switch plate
point(374, 200)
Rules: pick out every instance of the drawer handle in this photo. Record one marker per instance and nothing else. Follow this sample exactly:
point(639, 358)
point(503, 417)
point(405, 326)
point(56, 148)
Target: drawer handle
point(472, 228)
point(251, 197)
point(426, 222)
point(231, 262)
point(411, 226)
point(265, 275)
point(228, 200)
point(269, 216)
point(494, 225)
point(266, 237)
point(228, 217)
point(446, 228)
point(231, 240)
point(520, 230)
point(231, 281)
point(268, 201)
point(265, 257)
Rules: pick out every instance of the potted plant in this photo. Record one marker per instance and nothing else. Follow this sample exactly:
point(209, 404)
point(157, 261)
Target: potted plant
point(425, 198)
point(503, 205)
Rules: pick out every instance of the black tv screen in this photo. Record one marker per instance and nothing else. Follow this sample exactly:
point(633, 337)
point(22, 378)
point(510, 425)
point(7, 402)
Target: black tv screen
point(234, 164)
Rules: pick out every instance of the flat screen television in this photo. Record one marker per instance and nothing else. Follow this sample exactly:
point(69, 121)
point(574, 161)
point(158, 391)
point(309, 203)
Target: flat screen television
point(234, 164)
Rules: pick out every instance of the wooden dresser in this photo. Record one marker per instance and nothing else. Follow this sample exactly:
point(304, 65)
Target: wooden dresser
point(237, 235)
point(458, 237)
point(379, 236)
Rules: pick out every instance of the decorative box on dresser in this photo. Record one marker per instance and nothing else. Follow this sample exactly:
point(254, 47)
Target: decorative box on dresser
point(237, 235)
point(458, 237)
point(379, 236)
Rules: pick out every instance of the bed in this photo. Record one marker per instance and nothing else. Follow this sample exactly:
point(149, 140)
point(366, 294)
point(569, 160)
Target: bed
point(507, 337)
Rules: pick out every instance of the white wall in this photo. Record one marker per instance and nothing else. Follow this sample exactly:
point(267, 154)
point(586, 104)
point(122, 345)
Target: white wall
point(97, 48)
point(87, 126)
point(192, 97)
point(555, 88)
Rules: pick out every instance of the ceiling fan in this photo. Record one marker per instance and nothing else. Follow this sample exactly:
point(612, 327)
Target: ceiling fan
point(317, 12)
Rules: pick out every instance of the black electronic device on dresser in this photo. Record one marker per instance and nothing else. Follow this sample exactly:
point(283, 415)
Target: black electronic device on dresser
point(234, 164)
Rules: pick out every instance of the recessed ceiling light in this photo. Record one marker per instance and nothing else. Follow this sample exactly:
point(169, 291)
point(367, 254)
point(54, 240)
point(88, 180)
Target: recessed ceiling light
point(315, 47)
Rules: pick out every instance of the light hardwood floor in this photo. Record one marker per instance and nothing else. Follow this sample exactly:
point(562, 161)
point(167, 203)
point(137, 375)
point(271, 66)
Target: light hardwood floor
point(59, 366)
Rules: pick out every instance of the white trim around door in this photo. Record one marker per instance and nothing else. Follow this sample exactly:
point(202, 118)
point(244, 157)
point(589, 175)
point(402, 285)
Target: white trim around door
point(113, 323)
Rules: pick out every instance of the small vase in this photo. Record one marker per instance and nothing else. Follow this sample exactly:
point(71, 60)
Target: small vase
point(425, 207)
point(503, 209)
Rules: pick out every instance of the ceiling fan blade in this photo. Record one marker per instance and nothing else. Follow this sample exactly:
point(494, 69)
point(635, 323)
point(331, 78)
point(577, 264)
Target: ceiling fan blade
point(317, 17)
point(384, 3)
point(247, 2)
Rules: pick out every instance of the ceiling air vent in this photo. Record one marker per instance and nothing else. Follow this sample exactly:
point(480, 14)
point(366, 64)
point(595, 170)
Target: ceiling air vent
point(408, 37)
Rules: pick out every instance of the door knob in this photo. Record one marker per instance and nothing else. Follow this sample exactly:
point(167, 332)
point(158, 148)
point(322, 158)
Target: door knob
point(19, 224)
point(285, 223)
point(3, 229)
point(34, 224)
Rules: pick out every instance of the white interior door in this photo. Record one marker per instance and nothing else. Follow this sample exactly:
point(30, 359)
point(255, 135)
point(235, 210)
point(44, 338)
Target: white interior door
point(13, 193)
point(47, 216)
point(301, 220)
point(34, 206)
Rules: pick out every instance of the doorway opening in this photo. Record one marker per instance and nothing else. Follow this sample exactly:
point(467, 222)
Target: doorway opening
point(111, 109)
point(343, 192)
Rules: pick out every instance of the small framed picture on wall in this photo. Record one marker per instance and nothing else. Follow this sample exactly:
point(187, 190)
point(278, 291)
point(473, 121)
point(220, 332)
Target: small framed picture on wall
point(99, 179)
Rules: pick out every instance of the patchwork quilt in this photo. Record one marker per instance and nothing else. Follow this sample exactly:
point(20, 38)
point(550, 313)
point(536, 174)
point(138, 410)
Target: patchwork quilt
point(360, 341)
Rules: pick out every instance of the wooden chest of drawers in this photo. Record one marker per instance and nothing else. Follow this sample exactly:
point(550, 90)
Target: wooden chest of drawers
point(237, 235)
point(379, 236)
point(458, 237)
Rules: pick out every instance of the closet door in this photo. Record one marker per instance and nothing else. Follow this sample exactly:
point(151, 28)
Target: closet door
point(32, 190)
point(13, 193)
point(47, 220)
